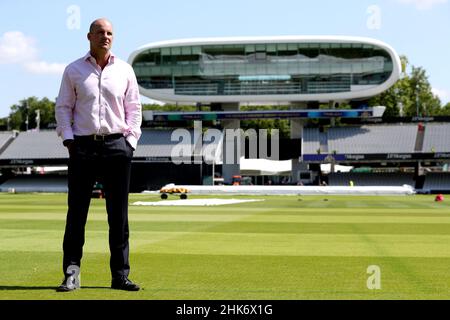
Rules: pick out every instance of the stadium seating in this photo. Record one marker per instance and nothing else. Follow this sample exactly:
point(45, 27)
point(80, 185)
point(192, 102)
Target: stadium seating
point(5, 139)
point(159, 143)
point(35, 145)
point(437, 181)
point(156, 146)
point(47, 145)
point(311, 142)
point(35, 183)
point(373, 139)
point(433, 141)
point(370, 179)
point(361, 139)
point(155, 143)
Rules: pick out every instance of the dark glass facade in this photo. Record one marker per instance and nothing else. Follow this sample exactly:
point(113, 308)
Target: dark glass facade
point(263, 69)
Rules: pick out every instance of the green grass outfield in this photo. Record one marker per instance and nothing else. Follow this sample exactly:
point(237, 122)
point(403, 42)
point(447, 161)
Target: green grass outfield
point(285, 247)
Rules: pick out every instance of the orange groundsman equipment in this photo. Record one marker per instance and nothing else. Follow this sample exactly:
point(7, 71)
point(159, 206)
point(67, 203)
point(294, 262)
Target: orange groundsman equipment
point(165, 191)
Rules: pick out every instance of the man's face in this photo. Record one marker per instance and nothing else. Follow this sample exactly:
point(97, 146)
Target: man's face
point(101, 36)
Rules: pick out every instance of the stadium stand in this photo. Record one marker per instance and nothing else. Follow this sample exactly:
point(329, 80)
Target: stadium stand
point(159, 143)
point(35, 183)
point(35, 145)
point(371, 179)
point(31, 148)
point(437, 182)
point(433, 139)
point(155, 143)
point(5, 139)
point(311, 142)
point(154, 155)
point(47, 145)
point(373, 139)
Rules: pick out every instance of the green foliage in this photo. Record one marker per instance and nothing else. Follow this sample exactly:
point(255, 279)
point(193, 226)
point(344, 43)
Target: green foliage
point(412, 93)
point(168, 107)
point(27, 109)
point(3, 123)
point(280, 124)
point(445, 110)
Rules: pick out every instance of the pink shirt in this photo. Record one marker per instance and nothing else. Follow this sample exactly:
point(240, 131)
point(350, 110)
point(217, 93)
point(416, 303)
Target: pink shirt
point(96, 101)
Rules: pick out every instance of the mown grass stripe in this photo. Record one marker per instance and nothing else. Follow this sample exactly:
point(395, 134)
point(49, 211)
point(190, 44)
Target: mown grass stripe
point(218, 226)
point(394, 219)
point(181, 276)
point(244, 243)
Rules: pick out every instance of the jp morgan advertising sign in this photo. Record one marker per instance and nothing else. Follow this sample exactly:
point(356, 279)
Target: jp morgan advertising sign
point(377, 157)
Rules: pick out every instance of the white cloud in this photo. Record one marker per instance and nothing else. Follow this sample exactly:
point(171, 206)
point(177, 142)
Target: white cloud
point(423, 4)
point(444, 95)
point(17, 48)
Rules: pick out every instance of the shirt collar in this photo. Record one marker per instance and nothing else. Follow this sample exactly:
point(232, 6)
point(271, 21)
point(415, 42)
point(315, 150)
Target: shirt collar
point(89, 57)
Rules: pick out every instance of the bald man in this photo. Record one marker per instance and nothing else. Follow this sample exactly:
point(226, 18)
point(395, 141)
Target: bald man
point(98, 114)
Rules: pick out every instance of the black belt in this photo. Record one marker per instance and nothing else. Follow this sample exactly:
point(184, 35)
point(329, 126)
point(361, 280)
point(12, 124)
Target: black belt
point(100, 137)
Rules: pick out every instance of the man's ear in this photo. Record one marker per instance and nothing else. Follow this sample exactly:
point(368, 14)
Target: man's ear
point(88, 36)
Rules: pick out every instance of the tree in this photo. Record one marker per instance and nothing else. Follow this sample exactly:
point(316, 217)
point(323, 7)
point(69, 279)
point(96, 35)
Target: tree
point(426, 103)
point(411, 95)
point(168, 107)
point(24, 115)
point(445, 110)
point(396, 99)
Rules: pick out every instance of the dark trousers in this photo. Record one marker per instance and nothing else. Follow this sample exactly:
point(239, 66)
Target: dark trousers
point(109, 162)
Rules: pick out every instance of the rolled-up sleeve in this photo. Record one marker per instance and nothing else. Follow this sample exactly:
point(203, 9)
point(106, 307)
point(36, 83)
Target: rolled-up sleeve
point(133, 110)
point(64, 107)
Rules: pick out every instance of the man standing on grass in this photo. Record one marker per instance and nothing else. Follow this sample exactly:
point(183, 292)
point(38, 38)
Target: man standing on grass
point(98, 114)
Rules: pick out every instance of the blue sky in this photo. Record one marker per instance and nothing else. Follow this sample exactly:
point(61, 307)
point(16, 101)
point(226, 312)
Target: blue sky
point(38, 38)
